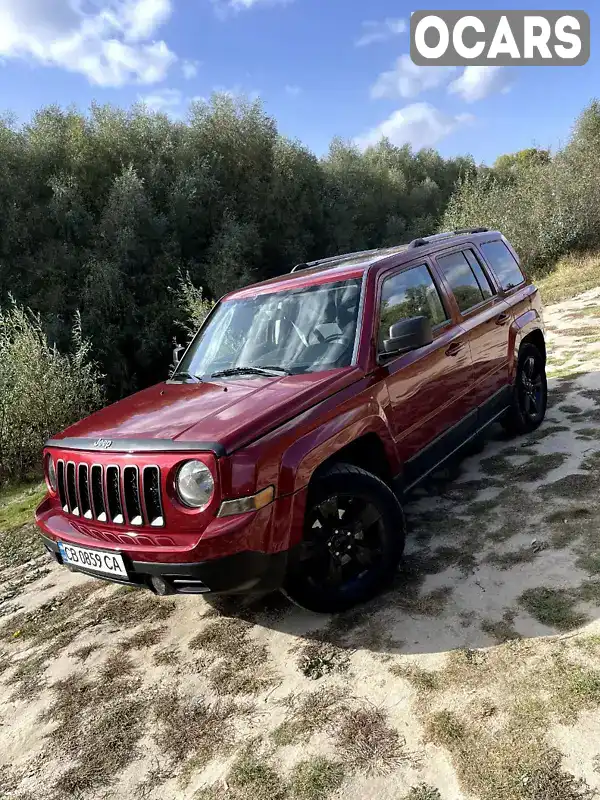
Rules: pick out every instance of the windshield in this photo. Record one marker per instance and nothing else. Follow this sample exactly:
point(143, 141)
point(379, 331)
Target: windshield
point(304, 330)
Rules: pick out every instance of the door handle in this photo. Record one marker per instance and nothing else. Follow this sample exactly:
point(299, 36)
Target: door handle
point(454, 349)
point(502, 319)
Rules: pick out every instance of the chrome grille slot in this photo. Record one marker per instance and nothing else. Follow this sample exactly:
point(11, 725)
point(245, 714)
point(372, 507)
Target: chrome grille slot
point(152, 496)
point(72, 489)
point(99, 506)
point(133, 501)
point(62, 490)
point(113, 494)
point(84, 491)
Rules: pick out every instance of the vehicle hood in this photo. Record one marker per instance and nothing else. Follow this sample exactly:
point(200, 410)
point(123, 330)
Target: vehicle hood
point(229, 414)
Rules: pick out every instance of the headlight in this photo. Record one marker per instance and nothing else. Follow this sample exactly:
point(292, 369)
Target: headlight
point(195, 484)
point(51, 473)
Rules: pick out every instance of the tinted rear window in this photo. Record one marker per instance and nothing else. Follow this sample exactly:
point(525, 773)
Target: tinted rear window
point(503, 263)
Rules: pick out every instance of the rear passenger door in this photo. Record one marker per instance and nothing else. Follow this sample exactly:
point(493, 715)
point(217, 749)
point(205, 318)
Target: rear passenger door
point(486, 318)
point(428, 388)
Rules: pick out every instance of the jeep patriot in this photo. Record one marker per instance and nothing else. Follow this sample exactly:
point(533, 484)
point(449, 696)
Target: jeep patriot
point(278, 453)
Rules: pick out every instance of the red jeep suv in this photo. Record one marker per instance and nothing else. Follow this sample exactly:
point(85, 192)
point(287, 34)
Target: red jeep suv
point(277, 454)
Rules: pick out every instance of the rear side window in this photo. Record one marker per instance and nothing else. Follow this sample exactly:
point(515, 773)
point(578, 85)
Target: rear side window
point(411, 293)
point(504, 264)
point(466, 287)
point(482, 278)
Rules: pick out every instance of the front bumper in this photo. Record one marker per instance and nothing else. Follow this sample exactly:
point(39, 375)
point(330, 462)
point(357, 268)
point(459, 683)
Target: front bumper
point(241, 573)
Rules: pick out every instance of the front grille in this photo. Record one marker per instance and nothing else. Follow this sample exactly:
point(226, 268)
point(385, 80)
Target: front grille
point(111, 494)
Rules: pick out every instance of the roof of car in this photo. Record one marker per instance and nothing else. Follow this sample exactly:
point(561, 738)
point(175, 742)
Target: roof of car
point(354, 265)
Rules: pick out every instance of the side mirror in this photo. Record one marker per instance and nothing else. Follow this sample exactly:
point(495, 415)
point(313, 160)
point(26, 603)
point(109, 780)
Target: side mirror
point(177, 352)
point(407, 335)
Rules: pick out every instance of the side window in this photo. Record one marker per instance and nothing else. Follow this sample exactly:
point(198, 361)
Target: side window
point(482, 279)
point(462, 280)
point(503, 263)
point(411, 293)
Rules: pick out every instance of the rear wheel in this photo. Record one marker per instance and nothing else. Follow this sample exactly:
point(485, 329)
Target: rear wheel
point(353, 540)
point(530, 393)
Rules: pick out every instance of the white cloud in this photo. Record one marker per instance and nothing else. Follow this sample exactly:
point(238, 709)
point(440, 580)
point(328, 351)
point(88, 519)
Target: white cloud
point(108, 41)
point(409, 80)
point(477, 83)
point(166, 101)
point(223, 6)
point(190, 69)
point(380, 31)
point(419, 124)
point(292, 90)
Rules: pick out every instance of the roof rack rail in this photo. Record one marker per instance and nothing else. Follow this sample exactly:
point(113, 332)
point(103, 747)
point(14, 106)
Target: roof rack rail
point(425, 240)
point(333, 259)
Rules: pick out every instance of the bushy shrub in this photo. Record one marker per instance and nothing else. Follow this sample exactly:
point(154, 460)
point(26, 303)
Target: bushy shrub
point(41, 390)
point(546, 206)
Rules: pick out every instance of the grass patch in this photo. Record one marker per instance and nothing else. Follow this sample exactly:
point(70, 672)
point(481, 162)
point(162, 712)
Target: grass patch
point(147, 637)
point(192, 730)
point(591, 461)
point(242, 666)
point(253, 778)
point(423, 792)
point(553, 607)
point(571, 486)
point(502, 630)
point(425, 681)
point(588, 434)
point(367, 742)
point(444, 729)
point(83, 653)
point(524, 555)
point(166, 657)
point(19, 545)
point(98, 726)
point(315, 779)
point(309, 713)
point(319, 658)
point(17, 505)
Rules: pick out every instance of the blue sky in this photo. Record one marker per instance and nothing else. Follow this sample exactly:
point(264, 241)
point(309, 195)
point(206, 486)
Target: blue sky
point(323, 68)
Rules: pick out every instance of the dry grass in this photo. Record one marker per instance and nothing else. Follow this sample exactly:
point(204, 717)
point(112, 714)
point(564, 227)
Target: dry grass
point(309, 713)
point(145, 638)
point(524, 555)
point(315, 779)
point(367, 742)
point(242, 664)
point(553, 607)
point(251, 777)
point(572, 275)
point(502, 630)
point(319, 658)
point(167, 657)
point(425, 681)
point(423, 792)
point(97, 726)
point(192, 729)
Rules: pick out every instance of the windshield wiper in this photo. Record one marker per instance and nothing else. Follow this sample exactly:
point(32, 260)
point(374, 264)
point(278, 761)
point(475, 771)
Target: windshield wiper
point(185, 375)
point(268, 371)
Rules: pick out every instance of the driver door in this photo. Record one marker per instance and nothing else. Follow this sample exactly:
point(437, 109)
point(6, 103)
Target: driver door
point(428, 388)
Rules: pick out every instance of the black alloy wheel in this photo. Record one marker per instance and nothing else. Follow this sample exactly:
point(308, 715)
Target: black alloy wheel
point(353, 541)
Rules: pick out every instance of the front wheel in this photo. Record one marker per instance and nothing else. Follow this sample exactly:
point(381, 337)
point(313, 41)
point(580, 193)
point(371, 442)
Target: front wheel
point(353, 540)
point(530, 393)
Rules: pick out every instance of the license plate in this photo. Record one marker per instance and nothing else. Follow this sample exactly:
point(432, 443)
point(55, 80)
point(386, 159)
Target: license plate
point(96, 560)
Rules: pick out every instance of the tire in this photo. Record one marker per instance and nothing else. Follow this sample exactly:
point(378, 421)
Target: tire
point(530, 393)
point(325, 577)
